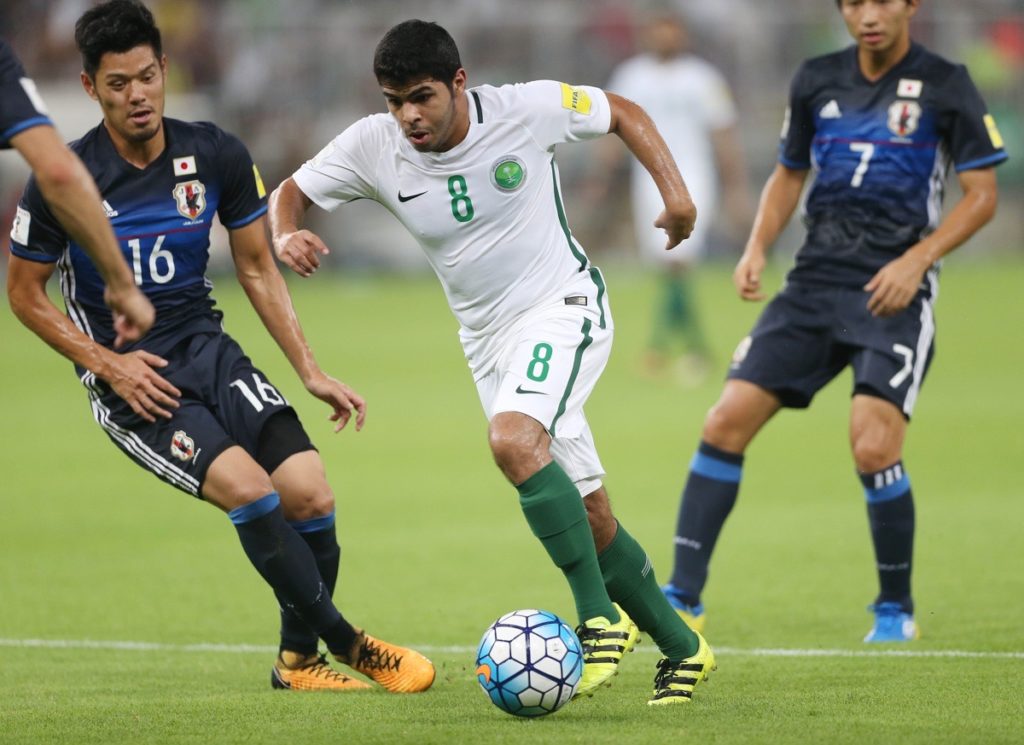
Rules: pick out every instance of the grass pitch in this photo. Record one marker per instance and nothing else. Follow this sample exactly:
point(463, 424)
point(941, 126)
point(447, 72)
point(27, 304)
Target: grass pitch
point(99, 554)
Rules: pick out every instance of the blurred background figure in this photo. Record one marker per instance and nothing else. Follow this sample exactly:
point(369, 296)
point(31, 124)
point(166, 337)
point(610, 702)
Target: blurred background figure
point(280, 75)
point(690, 102)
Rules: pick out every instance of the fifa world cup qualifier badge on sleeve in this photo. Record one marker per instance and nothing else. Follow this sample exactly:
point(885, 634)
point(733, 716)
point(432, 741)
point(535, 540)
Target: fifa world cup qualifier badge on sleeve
point(508, 173)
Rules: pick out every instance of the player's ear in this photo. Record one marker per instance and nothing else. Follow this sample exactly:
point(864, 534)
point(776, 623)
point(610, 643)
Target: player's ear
point(459, 82)
point(163, 64)
point(89, 85)
point(912, 6)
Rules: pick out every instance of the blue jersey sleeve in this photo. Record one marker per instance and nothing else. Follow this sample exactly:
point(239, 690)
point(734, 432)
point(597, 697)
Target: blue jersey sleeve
point(973, 137)
point(21, 107)
point(36, 234)
point(798, 126)
point(244, 196)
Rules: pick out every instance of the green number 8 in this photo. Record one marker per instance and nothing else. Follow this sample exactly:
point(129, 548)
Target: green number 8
point(538, 368)
point(462, 205)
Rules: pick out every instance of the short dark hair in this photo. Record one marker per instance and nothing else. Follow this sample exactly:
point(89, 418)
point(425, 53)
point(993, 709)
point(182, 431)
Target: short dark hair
point(416, 50)
point(115, 26)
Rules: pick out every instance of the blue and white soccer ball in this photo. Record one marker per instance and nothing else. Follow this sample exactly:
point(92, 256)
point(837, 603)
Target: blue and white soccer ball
point(529, 663)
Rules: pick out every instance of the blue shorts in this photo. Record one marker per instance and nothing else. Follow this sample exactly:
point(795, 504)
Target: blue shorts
point(808, 334)
point(225, 401)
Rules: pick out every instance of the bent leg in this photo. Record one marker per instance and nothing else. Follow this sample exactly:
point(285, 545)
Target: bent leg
point(240, 487)
point(630, 581)
point(308, 505)
point(553, 508)
point(713, 483)
point(877, 432)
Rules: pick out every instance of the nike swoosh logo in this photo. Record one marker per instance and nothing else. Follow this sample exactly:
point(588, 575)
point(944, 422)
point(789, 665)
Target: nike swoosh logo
point(520, 389)
point(411, 196)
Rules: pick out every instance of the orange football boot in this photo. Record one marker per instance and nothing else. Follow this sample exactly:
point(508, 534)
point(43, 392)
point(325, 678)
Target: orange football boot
point(395, 668)
point(313, 673)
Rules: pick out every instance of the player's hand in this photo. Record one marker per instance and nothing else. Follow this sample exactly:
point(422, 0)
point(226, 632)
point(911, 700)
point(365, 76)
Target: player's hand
point(134, 378)
point(895, 285)
point(301, 251)
point(747, 275)
point(133, 313)
point(345, 401)
point(677, 222)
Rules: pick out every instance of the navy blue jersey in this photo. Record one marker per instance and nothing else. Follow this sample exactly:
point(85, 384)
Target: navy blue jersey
point(161, 215)
point(20, 105)
point(880, 153)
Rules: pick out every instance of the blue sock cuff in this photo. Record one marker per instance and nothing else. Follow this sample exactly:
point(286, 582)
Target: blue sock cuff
point(710, 450)
point(255, 510)
point(885, 485)
point(314, 524)
point(712, 463)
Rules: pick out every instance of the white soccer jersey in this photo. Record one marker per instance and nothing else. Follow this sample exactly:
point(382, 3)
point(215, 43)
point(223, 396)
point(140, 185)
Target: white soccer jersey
point(488, 213)
point(687, 99)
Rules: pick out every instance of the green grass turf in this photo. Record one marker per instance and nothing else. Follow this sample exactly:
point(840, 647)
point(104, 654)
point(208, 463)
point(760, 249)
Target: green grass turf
point(434, 546)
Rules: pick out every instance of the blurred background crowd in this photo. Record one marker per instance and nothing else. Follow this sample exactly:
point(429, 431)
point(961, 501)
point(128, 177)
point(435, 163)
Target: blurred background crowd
point(287, 76)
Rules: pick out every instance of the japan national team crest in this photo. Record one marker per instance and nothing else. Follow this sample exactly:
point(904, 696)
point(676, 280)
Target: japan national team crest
point(182, 446)
point(904, 116)
point(190, 197)
point(740, 354)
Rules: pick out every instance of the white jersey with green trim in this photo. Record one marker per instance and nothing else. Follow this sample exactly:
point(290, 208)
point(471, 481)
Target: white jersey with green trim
point(488, 213)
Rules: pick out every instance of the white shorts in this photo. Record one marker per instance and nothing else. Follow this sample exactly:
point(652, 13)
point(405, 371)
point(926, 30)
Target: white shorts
point(547, 370)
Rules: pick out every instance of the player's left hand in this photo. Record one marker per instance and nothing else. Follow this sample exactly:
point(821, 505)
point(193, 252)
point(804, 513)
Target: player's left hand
point(895, 285)
point(677, 221)
point(133, 314)
point(345, 401)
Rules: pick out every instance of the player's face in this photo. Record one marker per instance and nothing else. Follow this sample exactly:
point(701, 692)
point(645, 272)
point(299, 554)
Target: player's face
point(878, 25)
point(433, 118)
point(129, 87)
point(666, 38)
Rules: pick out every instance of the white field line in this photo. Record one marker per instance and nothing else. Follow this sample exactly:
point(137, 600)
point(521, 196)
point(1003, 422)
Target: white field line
point(132, 646)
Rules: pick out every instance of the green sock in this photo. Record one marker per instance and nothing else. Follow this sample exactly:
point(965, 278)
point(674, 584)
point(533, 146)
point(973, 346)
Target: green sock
point(687, 320)
point(555, 512)
point(669, 312)
point(629, 577)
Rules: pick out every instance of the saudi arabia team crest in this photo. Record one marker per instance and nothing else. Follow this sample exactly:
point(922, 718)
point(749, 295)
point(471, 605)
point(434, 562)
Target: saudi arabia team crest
point(904, 117)
point(190, 196)
point(508, 172)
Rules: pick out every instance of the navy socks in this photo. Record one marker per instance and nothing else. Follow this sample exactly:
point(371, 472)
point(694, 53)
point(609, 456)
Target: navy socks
point(288, 565)
point(708, 498)
point(891, 517)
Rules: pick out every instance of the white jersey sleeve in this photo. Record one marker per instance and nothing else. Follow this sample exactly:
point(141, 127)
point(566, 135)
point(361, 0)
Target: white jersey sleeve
point(557, 112)
point(346, 169)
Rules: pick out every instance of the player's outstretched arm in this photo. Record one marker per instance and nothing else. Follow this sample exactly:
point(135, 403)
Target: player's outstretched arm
point(639, 133)
point(69, 190)
point(268, 293)
point(779, 198)
point(896, 284)
point(299, 249)
point(132, 376)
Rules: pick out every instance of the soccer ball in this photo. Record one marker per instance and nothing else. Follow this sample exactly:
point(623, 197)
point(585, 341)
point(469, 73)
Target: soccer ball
point(529, 663)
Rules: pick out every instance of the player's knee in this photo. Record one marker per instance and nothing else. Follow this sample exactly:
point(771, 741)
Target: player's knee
point(872, 454)
point(249, 491)
point(512, 446)
point(506, 448)
point(316, 501)
point(724, 427)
